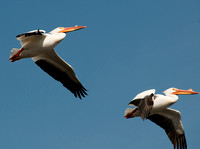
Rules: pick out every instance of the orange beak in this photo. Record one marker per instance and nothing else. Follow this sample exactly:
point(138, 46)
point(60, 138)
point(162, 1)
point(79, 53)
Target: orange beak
point(184, 92)
point(71, 29)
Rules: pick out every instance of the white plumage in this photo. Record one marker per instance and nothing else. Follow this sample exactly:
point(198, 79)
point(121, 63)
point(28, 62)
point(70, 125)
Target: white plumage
point(39, 46)
point(154, 107)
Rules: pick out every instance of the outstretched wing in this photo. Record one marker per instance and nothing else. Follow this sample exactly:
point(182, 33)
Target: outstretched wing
point(170, 121)
point(144, 102)
point(145, 106)
point(30, 36)
point(57, 68)
point(136, 100)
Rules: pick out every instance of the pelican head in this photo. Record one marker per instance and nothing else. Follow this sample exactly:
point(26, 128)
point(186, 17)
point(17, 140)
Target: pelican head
point(176, 91)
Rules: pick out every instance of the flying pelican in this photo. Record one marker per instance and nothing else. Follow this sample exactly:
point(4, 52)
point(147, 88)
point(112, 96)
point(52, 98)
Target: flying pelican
point(39, 46)
point(154, 107)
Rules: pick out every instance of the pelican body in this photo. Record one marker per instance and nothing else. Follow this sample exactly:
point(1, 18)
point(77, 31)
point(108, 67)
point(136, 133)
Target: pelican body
point(39, 46)
point(154, 107)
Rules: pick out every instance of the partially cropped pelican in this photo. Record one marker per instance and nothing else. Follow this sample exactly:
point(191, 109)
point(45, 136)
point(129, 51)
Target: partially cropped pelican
point(39, 46)
point(154, 107)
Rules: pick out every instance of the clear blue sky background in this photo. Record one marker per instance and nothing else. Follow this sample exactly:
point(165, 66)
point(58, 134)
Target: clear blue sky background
point(128, 47)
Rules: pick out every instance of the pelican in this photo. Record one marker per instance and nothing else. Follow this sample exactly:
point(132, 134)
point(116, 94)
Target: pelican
point(154, 107)
point(39, 46)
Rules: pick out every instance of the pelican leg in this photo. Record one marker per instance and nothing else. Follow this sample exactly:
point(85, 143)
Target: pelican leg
point(16, 56)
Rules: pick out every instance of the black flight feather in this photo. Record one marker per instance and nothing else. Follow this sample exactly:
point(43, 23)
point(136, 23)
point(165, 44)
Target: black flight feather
point(38, 32)
point(76, 88)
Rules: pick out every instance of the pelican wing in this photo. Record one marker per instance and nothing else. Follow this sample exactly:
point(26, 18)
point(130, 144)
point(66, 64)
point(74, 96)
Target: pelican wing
point(145, 106)
point(144, 102)
point(30, 36)
point(136, 100)
point(57, 68)
point(170, 121)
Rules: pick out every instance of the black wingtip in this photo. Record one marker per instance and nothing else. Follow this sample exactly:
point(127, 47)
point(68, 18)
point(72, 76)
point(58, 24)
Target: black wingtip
point(80, 93)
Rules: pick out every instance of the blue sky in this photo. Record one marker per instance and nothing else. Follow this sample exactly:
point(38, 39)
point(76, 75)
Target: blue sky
point(128, 47)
